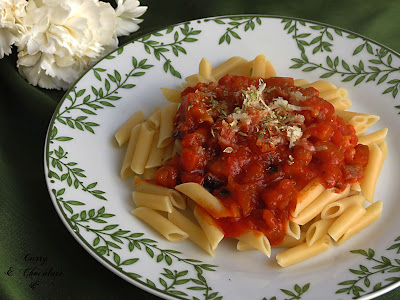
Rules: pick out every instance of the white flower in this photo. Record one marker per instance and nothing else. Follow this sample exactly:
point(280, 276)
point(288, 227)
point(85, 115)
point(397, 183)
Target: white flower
point(127, 14)
point(63, 38)
point(11, 14)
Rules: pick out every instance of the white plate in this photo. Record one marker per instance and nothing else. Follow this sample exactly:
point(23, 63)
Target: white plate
point(82, 160)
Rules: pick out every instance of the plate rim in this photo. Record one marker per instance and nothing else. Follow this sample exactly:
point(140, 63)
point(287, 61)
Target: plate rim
point(80, 239)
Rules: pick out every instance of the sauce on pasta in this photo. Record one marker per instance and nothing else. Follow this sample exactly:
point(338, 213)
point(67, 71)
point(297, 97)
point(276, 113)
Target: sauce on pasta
point(255, 143)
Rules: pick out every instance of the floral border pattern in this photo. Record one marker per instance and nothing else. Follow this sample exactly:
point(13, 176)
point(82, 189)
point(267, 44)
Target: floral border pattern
point(79, 109)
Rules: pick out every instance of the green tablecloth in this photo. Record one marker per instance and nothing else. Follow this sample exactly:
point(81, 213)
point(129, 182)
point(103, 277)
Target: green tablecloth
point(29, 224)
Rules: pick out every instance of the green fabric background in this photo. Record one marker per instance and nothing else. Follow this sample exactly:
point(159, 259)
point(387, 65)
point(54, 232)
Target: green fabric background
point(29, 224)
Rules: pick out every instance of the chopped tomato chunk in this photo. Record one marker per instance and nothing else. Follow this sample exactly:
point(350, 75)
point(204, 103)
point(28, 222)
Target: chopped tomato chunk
point(255, 143)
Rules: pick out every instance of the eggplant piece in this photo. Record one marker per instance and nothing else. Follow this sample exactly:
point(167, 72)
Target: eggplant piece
point(211, 183)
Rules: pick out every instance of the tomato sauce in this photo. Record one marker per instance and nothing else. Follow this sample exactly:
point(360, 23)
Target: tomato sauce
point(255, 143)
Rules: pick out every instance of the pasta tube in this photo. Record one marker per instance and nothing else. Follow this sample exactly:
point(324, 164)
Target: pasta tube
point(172, 95)
point(123, 133)
point(373, 213)
point(167, 124)
point(315, 207)
point(293, 229)
point(126, 170)
point(257, 240)
point(307, 195)
point(345, 221)
point(372, 171)
point(142, 153)
point(376, 137)
point(320, 85)
point(301, 82)
point(205, 69)
point(269, 70)
point(341, 103)
point(144, 186)
point(335, 209)
point(154, 119)
point(259, 66)
point(156, 154)
point(213, 233)
point(162, 225)
point(288, 242)
point(318, 230)
point(333, 94)
point(194, 231)
point(205, 199)
point(153, 201)
point(303, 251)
point(148, 174)
point(234, 66)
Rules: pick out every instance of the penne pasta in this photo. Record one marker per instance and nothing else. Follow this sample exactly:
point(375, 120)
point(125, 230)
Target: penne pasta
point(124, 132)
point(176, 198)
point(317, 230)
point(347, 116)
point(190, 203)
point(153, 201)
point(372, 213)
point(243, 246)
point(309, 193)
point(253, 127)
point(235, 65)
point(335, 209)
point(142, 153)
point(303, 251)
point(168, 153)
point(355, 187)
point(371, 173)
point(377, 137)
point(341, 103)
point(293, 230)
point(257, 240)
point(154, 119)
point(205, 70)
point(213, 233)
point(167, 124)
point(126, 170)
point(269, 70)
point(162, 225)
point(289, 241)
point(203, 198)
point(260, 64)
point(305, 227)
point(156, 154)
point(301, 82)
point(360, 121)
point(315, 207)
point(192, 80)
point(350, 216)
point(384, 150)
point(320, 85)
point(333, 94)
point(194, 231)
point(172, 95)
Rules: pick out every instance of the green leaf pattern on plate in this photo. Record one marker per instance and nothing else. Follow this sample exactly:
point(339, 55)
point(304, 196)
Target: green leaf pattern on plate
point(376, 63)
point(179, 35)
point(108, 238)
point(296, 293)
point(188, 278)
point(363, 285)
point(234, 24)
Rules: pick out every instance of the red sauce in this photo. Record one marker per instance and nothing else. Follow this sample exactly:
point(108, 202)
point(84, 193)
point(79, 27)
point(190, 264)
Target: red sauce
point(255, 143)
